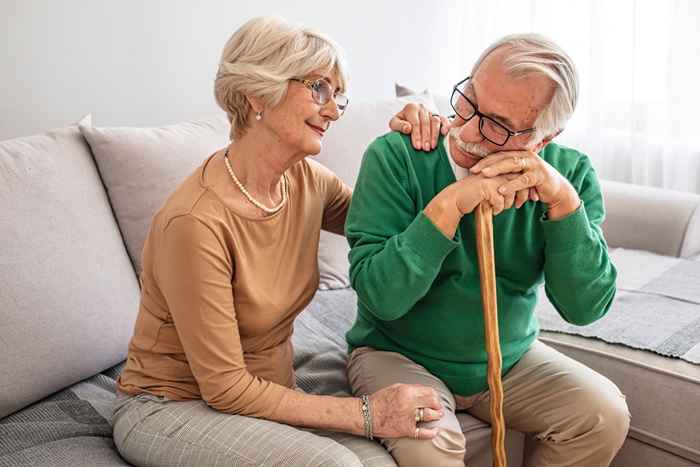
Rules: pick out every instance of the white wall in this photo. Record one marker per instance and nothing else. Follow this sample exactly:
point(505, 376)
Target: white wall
point(148, 62)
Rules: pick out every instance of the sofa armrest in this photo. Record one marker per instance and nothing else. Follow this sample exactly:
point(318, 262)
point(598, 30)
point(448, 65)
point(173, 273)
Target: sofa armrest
point(653, 219)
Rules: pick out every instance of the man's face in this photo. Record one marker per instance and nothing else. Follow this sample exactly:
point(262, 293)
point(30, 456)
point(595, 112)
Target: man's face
point(513, 102)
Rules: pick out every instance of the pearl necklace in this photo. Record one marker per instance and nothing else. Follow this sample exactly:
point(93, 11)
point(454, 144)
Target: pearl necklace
point(249, 197)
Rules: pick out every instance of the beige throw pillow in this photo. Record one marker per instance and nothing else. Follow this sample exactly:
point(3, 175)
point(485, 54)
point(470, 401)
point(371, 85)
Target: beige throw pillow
point(141, 167)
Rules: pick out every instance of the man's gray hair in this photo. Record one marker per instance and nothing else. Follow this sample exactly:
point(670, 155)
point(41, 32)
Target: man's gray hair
point(534, 53)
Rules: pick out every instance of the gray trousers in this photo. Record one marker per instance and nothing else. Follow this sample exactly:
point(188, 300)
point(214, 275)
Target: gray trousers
point(153, 431)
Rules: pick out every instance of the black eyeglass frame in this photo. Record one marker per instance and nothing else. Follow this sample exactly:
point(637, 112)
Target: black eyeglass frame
point(310, 83)
point(509, 133)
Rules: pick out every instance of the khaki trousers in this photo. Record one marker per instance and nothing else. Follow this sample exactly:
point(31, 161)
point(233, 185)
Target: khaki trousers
point(577, 417)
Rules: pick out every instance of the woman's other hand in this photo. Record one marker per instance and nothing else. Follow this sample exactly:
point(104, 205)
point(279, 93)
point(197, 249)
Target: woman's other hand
point(396, 409)
point(423, 126)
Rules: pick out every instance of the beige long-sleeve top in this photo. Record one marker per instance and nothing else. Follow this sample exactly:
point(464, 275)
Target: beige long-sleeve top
point(220, 292)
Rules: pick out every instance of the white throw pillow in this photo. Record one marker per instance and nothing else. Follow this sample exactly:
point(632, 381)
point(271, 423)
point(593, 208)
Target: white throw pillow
point(442, 102)
point(343, 148)
point(141, 167)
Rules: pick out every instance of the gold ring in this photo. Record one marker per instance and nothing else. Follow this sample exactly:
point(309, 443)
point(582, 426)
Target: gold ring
point(420, 414)
point(415, 435)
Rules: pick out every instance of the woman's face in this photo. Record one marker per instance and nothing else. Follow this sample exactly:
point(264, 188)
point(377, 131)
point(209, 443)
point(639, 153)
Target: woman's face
point(299, 122)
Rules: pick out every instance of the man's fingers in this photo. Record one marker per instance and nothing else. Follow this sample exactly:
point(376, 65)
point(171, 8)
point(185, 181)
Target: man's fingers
point(523, 182)
point(511, 164)
point(534, 196)
point(518, 159)
point(521, 198)
point(492, 165)
point(509, 200)
point(497, 203)
point(397, 123)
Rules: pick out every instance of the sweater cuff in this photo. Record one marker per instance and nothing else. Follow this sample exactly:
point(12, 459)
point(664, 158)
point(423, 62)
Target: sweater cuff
point(568, 232)
point(427, 241)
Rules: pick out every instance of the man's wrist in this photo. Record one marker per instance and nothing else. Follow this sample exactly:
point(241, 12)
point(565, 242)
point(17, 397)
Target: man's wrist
point(564, 206)
point(444, 213)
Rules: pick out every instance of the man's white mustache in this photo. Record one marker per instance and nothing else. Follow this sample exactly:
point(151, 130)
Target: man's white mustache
point(471, 148)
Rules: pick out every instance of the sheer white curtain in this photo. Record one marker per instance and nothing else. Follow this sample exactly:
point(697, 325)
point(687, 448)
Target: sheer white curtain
point(638, 116)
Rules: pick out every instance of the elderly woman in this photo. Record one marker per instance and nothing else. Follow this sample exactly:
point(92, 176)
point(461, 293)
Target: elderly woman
point(230, 261)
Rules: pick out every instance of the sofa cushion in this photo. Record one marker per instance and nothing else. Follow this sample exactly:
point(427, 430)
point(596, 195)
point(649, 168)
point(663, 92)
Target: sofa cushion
point(442, 101)
point(141, 167)
point(662, 394)
point(656, 307)
point(342, 152)
point(69, 295)
point(670, 224)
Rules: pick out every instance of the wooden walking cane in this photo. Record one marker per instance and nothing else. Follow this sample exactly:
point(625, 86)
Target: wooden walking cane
point(487, 275)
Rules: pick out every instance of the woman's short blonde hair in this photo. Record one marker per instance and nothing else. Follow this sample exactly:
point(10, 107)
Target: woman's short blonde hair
point(262, 56)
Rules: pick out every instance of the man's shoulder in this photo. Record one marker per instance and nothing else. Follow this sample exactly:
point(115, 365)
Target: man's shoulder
point(397, 149)
point(392, 144)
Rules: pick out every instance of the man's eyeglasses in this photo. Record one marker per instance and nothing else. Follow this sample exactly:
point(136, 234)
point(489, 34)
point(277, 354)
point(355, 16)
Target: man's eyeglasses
point(489, 128)
point(322, 92)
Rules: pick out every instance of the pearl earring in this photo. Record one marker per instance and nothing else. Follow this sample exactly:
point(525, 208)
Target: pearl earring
point(258, 116)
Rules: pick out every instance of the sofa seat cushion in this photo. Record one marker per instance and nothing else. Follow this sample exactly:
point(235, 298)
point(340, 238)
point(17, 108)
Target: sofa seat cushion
point(648, 344)
point(67, 429)
point(663, 394)
point(657, 306)
point(69, 295)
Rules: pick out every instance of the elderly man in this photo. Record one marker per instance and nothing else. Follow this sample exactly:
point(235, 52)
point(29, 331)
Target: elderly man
point(414, 266)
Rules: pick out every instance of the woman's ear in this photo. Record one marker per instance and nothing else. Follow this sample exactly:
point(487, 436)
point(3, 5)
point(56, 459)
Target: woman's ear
point(255, 104)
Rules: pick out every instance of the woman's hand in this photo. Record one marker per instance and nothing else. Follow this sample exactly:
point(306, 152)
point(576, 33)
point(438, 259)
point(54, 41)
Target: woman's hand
point(423, 126)
point(395, 411)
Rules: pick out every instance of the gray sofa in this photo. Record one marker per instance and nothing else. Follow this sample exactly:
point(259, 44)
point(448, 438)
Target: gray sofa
point(76, 203)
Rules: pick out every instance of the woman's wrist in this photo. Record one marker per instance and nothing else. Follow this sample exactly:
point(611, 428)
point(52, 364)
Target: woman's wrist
point(366, 411)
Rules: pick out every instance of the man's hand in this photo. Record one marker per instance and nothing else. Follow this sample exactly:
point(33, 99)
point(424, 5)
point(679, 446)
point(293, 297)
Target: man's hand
point(476, 189)
point(447, 207)
point(423, 126)
point(533, 173)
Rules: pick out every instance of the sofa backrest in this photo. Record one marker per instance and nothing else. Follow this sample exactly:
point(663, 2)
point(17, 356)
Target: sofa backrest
point(68, 293)
point(662, 221)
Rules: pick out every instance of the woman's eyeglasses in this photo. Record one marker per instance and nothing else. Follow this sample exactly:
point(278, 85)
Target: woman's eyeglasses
point(322, 92)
